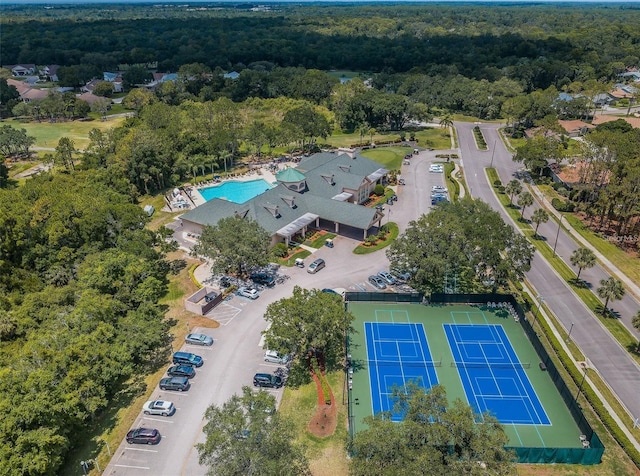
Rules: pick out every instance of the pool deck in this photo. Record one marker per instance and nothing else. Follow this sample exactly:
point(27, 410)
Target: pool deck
point(263, 172)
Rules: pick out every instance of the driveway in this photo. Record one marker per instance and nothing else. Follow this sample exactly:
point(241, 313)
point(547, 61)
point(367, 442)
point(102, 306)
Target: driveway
point(612, 362)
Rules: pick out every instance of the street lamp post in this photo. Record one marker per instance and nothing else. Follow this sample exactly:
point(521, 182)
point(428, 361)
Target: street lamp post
point(493, 153)
point(584, 376)
point(570, 329)
point(557, 235)
point(537, 313)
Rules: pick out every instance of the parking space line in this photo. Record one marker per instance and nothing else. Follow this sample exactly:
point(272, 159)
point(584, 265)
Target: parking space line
point(156, 419)
point(200, 347)
point(140, 449)
point(128, 466)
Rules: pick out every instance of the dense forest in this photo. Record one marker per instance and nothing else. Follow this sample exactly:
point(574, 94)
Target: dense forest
point(538, 45)
point(81, 277)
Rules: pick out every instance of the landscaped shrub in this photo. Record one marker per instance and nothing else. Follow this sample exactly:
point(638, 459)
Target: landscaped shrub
point(280, 250)
point(562, 206)
point(378, 190)
point(497, 183)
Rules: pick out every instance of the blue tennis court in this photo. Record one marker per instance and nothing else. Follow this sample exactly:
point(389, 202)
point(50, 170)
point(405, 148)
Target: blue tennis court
point(396, 353)
point(493, 377)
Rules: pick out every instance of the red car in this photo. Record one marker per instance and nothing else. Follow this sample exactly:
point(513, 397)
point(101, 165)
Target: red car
point(144, 436)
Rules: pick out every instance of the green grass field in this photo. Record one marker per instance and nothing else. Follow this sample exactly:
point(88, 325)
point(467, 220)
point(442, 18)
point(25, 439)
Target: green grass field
point(563, 431)
point(389, 157)
point(48, 134)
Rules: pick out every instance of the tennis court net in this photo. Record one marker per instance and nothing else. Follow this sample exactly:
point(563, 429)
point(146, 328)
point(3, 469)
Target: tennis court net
point(405, 363)
point(491, 365)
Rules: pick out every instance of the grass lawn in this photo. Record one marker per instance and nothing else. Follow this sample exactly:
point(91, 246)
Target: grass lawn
point(390, 157)
point(47, 134)
point(318, 239)
point(436, 138)
point(326, 456)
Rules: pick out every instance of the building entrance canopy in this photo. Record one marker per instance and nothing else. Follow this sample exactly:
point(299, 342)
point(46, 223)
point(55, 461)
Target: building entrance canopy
point(296, 225)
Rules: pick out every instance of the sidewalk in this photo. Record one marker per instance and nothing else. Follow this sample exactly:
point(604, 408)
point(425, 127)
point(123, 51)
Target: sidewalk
point(632, 287)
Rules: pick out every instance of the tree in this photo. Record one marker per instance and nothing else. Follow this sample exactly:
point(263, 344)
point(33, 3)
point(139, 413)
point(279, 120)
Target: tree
point(104, 89)
point(246, 436)
point(539, 216)
point(611, 289)
point(307, 123)
point(514, 187)
point(537, 151)
point(309, 324)
point(445, 438)
point(583, 258)
point(64, 153)
point(465, 241)
point(101, 106)
point(138, 98)
point(524, 200)
point(235, 244)
point(635, 322)
point(135, 75)
point(446, 121)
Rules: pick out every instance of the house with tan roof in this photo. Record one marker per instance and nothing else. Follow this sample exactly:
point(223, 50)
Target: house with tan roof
point(602, 118)
point(576, 128)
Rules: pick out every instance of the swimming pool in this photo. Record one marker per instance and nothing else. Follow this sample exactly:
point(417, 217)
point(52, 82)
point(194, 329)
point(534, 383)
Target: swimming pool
point(236, 192)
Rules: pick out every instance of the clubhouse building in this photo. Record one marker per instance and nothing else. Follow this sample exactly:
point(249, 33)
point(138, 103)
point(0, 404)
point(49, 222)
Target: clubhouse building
point(325, 191)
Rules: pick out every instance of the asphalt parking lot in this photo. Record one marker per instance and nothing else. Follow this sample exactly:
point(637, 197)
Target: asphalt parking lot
point(237, 353)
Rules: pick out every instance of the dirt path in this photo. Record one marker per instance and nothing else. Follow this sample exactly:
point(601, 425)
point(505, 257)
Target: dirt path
point(325, 420)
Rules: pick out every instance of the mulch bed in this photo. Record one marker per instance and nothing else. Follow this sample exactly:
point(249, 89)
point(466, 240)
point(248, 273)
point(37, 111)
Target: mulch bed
point(325, 419)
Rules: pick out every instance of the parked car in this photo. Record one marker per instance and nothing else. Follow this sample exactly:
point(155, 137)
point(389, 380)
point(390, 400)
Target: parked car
point(275, 358)
point(401, 275)
point(186, 358)
point(145, 436)
point(439, 188)
point(377, 282)
point(328, 291)
point(263, 278)
point(436, 200)
point(316, 266)
point(159, 407)
point(250, 293)
point(436, 168)
point(181, 371)
point(198, 339)
point(180, 384)
point(267, 380)
point(388, 277)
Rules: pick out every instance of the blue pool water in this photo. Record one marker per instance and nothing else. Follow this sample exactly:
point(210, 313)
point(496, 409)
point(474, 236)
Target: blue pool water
point(236, 192)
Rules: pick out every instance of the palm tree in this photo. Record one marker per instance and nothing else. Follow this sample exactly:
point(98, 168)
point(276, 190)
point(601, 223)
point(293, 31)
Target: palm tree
point(513, 188)
point(363, 129)
point(611, 289)
point(635, 321)
point(583, 258)
point(539, 216)
point(372, 132)
point(446, 121)
point(524, 201)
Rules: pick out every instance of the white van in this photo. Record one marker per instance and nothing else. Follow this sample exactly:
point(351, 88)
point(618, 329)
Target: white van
point(275, 358)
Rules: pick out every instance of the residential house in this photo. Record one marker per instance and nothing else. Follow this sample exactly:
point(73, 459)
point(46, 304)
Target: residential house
point(232, 75)
point(325, 191)
point(90, 97)
point(26, 90)
point(50, 72)
point(115, 79)
point(160, 78)
point(22, 69)
point(602, 118)
point(576, 128)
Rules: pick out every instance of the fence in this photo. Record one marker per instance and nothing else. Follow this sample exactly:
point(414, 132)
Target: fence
point(592, 451)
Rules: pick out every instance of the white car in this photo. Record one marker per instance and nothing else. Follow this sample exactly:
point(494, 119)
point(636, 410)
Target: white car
point(436, 168)
point(250, 293)
point(439, 189)
point(159, 407)
point(275, 358)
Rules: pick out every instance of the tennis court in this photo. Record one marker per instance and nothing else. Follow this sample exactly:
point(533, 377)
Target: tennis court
point(396, 354)
point(493, 377)
point(480, 354)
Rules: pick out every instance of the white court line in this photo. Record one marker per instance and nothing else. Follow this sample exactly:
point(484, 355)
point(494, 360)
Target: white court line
point(132, 467)
point(140, 449)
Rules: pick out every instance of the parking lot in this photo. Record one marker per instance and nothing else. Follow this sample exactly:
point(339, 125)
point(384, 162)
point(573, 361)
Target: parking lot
point(236, 354)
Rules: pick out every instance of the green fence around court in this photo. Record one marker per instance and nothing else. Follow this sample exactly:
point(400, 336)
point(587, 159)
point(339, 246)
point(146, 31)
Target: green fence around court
point(593, 448)
point(586, 456)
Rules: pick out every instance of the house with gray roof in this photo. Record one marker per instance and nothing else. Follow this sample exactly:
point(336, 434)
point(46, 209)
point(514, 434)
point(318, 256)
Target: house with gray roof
point(326, 191)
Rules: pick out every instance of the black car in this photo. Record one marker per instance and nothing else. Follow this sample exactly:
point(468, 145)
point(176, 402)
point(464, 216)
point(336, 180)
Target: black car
point(145, 436)
point(267, 380)
point(180, 384)
point(181, 371)
point(263, 278)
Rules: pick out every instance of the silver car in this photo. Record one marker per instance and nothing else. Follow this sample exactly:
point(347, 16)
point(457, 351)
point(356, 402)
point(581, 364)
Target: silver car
point(377, 282)
point(316, 266)
point(198, 339)
point(159, 407)
point(275, 358)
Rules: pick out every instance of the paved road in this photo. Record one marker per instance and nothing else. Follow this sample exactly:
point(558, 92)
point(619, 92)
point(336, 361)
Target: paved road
point(613, 362)
point(237, 354)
